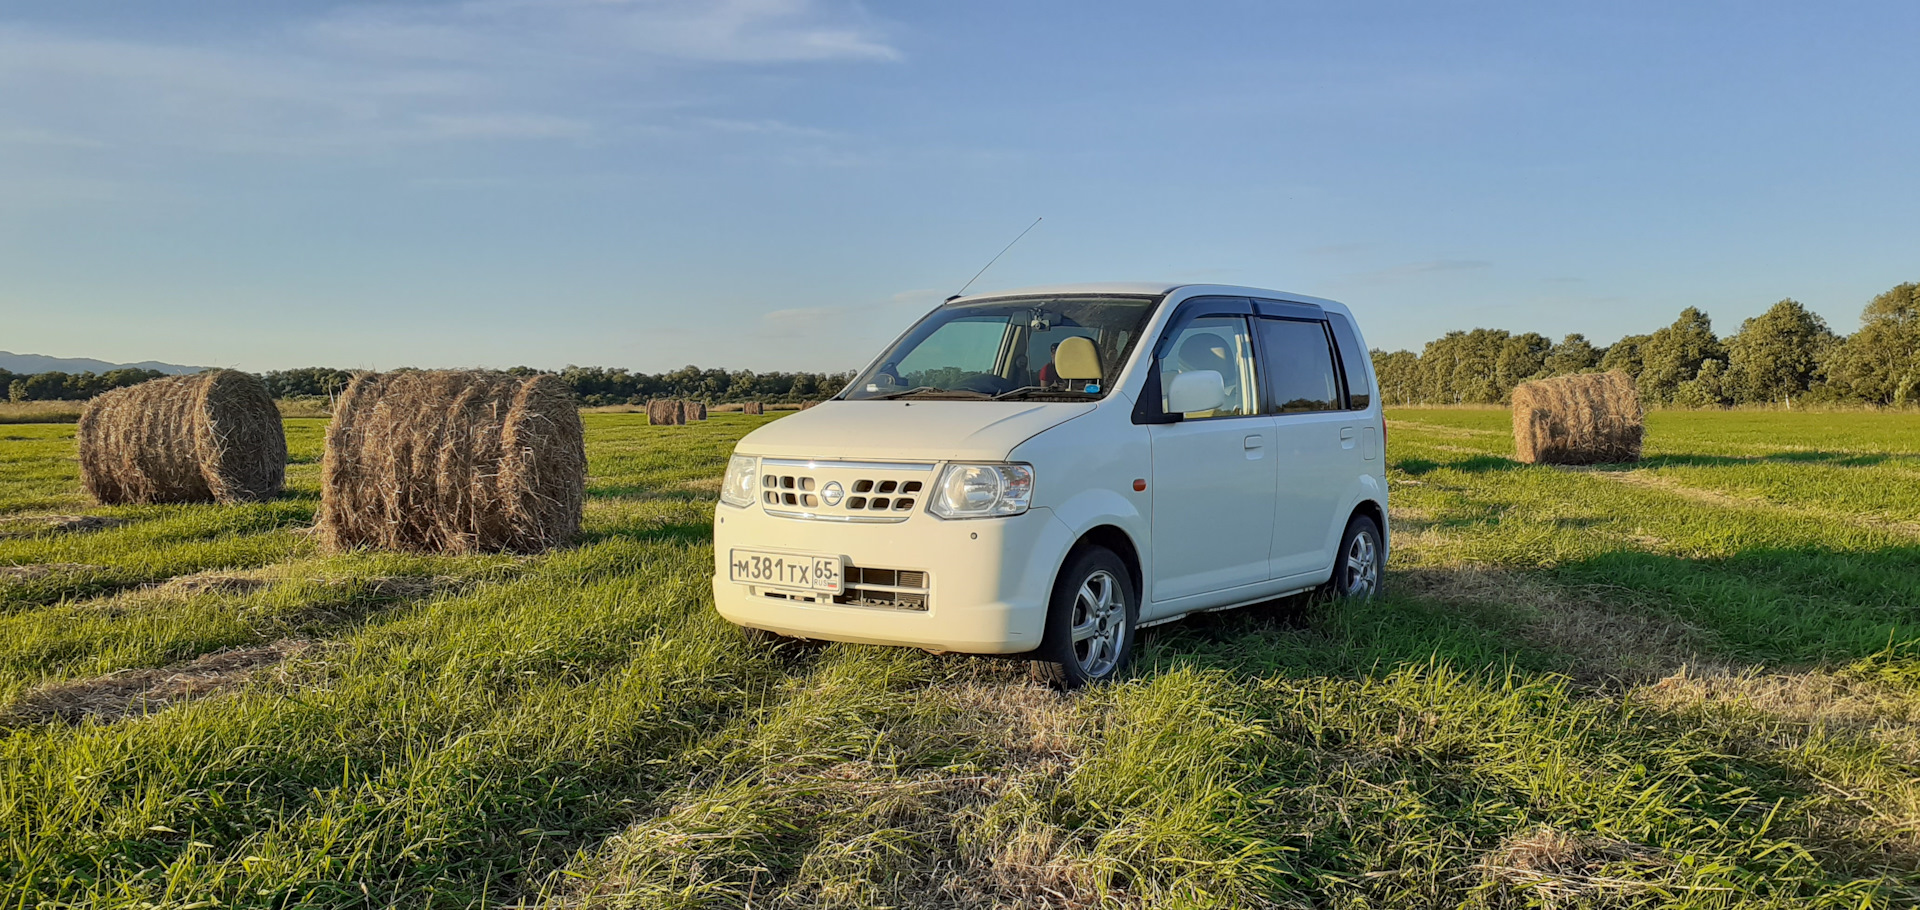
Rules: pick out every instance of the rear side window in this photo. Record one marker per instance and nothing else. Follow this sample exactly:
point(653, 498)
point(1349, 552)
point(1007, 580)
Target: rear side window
point(1353, 359)
point(1299, 366)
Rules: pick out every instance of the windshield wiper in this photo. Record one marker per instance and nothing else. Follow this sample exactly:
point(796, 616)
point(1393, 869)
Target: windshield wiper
point(930, 392)
point(1035, 391)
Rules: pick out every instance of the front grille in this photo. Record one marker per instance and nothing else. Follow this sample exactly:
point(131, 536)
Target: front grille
point(863, 496)
point(892, 589)
point(788, 490)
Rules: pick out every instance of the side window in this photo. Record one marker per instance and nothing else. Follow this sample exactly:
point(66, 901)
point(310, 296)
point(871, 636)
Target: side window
point(1353, 359)
point(1221, 344)
point(1300, 373)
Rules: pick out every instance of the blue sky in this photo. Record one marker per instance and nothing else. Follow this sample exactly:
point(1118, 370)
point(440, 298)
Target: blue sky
point(785, 184)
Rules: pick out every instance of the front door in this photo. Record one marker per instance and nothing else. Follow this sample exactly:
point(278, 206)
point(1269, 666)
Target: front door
point(1213, 472)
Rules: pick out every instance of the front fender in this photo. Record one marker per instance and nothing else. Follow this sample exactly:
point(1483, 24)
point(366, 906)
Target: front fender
point(1093, 508)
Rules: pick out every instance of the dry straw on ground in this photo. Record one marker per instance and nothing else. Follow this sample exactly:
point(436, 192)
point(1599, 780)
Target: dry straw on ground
point(1590, 418)
point(453, 461)
point(33, 524)
point(207, 437)
point(131, 693)
point(665, 412)
point(753, 408)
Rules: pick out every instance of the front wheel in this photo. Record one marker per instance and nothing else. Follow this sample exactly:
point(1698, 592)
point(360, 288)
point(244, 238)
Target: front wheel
point(1090, 621)
point(1357, 569)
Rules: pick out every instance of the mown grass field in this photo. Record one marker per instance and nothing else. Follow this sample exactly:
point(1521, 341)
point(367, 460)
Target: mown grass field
point(1693, 683)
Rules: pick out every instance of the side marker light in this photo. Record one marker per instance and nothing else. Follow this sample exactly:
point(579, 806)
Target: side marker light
point(1140, 485)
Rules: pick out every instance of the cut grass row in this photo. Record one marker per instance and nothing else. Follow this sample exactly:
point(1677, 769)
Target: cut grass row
point(581, 729)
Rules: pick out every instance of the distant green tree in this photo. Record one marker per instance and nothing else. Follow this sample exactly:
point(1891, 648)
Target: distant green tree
point(1707, 388)
point(1673, 355)
point(1624, 355)
point(1574, 354)
point(1463, 368)
point(1880, 364)
point(306, 381)
point(1522, 357)
point(1399, 376)
point(49, 386)
point(1777, 354)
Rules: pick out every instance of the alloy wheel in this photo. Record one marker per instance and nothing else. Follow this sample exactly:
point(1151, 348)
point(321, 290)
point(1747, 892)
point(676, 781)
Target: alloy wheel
point(1099, 624)
point(1362, 567)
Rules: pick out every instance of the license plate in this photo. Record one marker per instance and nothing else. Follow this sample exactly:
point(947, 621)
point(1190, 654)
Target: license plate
point(784, 570)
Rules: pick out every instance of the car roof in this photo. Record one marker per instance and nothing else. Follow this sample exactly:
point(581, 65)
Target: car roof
point(1152, 288)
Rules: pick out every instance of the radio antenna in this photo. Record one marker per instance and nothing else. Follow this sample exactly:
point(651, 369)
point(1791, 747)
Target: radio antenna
point(996, 258)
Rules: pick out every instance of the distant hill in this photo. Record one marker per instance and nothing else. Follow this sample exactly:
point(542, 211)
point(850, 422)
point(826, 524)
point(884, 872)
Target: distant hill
point(40, 363)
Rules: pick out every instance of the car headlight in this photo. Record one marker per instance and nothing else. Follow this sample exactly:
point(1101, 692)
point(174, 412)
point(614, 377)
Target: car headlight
point(982, 490)
point(737, 489)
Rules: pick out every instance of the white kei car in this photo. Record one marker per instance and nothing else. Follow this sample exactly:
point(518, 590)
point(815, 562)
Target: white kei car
point(1046, 471)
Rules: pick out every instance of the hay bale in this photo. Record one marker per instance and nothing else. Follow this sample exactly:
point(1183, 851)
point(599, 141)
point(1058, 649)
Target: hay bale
point(665, 412)
point(691, 411)
point(753, 408)
point(206, 437)
point(805, 405)
point(1590, 418)
point(453, 461)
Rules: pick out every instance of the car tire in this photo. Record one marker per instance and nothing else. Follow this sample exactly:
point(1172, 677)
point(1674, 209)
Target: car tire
point(1091, 621)
point(1358, 570)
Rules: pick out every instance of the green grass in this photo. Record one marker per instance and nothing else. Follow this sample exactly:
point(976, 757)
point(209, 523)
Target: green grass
point(1511, 727)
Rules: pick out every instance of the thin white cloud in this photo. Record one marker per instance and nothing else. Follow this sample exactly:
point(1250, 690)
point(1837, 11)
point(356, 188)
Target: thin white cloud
point(716, 31)
point(1419, 269)
point(862, 320)
point(505, 126)
point(47, 138)
point(765, 128)
point(379, 76)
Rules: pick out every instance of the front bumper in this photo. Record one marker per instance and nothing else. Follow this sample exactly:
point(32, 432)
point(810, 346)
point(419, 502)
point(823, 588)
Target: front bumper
point(988, 579)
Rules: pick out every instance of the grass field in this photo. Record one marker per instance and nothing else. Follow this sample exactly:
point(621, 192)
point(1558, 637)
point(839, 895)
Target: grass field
point(1693, 683)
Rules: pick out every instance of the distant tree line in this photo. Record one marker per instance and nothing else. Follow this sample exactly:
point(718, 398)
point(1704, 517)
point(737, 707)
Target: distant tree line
point(601, 386)
point(1784, 356)
point(57, 386)
point(594, 385)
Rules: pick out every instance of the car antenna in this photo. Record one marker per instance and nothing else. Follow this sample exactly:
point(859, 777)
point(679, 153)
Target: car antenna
point(990, 262)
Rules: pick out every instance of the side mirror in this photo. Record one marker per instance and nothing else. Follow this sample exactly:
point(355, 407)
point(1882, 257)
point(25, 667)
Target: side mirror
point(1199, 390)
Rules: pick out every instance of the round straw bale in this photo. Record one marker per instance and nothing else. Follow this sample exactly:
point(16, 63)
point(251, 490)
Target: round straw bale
point(453, 461)
point(1588, 418)
point(693, 410)
point(754, 408)
point(665, 412)
point(205, 437)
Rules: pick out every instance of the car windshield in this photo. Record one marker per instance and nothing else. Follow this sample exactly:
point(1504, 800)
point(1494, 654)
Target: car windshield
point(1038, 348)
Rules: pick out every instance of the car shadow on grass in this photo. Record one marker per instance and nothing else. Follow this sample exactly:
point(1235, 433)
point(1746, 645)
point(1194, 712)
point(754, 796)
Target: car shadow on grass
point(1403, 648)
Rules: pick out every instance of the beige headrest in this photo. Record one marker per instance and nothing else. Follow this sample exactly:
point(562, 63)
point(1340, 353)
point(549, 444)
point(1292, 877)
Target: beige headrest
point(1077, 359)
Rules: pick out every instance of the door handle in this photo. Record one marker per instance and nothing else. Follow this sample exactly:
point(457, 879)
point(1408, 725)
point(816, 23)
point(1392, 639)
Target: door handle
point(1254, 442)
point(1346, 437)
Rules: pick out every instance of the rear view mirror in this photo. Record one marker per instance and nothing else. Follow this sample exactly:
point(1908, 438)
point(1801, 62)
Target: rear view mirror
point(1198, 390)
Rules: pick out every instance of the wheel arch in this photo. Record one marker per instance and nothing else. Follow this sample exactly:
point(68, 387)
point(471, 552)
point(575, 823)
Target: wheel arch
point(1117, 541)
point(1372, 509)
